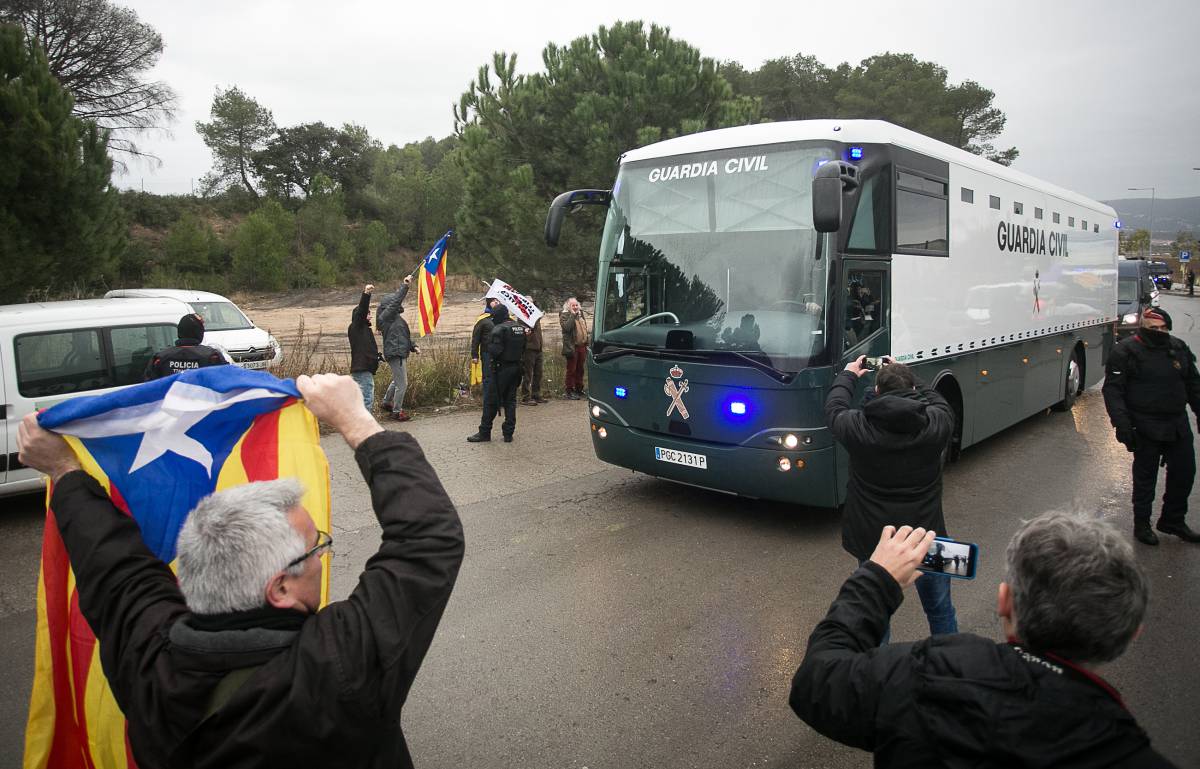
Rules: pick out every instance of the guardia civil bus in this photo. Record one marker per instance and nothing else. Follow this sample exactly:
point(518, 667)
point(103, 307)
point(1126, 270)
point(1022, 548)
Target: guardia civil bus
point(740, 269)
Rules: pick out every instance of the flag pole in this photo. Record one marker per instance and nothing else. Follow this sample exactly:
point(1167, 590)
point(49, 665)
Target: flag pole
point(449, 234)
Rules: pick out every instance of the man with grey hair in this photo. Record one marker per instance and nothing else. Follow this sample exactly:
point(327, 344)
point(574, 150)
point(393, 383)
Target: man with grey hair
point(1073, 599)
point(237, 664)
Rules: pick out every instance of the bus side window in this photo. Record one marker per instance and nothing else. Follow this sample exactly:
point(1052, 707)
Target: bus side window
point(869, 231)
point(626, 299)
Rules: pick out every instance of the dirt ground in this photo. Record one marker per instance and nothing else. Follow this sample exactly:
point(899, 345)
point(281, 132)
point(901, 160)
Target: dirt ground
point(327, 311)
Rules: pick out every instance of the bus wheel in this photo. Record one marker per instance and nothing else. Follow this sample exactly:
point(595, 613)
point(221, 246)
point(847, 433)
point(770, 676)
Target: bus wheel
point(1070, 384)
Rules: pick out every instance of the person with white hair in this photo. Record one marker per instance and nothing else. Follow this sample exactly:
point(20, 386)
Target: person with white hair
point(1073, 599)
point(236, 663)
point(573, 323)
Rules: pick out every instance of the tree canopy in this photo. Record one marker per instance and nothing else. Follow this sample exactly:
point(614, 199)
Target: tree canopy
point(102, 54)
point(60, 221)
point(239, 129)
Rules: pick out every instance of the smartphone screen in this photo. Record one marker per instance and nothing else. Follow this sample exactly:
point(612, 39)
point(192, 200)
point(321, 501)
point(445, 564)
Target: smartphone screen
point(954, 559)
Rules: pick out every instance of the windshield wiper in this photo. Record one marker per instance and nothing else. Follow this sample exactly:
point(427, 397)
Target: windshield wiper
point(783, 377)
point(613, 351)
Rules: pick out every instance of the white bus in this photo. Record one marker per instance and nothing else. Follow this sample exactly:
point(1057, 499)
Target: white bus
point(741, 268)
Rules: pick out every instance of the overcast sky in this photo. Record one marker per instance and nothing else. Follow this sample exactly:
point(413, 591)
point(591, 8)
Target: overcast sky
point(1100, 96)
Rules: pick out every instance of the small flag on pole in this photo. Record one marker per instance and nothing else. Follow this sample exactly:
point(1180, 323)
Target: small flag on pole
point(431, 286)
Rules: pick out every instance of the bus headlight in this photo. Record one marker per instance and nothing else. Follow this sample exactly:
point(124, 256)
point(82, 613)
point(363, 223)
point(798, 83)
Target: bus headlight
point(602, 433)
point(785, 464)
point(790, 441)
point(596, 411)
point(1130, 319)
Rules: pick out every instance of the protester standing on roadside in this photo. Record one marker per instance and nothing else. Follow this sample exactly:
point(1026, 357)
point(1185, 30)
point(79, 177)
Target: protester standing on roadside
point(364, 351)
point(895, 443)
point(187, 352)
point(531, 364)
point(574, 346)
point(1150, 381)
point(1191, 282)
point(480, 333)
point(397, 344)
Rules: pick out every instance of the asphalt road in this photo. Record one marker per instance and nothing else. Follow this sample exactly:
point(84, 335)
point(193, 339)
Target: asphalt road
point(606, 619)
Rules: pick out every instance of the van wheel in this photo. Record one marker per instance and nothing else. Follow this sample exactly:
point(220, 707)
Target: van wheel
point(1070, 384)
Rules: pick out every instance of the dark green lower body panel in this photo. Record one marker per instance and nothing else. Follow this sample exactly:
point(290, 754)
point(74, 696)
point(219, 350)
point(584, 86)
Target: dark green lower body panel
point(740, 470)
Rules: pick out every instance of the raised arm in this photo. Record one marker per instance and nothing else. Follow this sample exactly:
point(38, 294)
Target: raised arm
point(842, 420)
point(383, 629)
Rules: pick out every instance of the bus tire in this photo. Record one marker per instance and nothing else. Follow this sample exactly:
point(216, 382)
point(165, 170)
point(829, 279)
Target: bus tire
point(1071, 383)
point(948, 389)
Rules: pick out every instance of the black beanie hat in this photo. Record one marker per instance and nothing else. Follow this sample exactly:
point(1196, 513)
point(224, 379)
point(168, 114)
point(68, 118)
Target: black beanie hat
point(1160, 313)
point(499, 313)
point(191, 327)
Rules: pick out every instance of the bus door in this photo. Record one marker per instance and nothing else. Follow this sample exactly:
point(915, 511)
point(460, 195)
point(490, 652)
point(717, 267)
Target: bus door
point(865, 308)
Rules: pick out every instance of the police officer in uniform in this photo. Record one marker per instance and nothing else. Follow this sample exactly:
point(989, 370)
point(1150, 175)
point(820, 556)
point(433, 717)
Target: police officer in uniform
point(187, 352)
point(506, 345)
point(1150, 381)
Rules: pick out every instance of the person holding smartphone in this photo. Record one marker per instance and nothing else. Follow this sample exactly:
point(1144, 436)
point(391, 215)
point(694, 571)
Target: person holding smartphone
point(1072, 600)
point(895, 442)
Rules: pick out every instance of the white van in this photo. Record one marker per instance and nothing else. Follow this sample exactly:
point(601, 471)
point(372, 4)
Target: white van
point(53, 351)
point(225, 325)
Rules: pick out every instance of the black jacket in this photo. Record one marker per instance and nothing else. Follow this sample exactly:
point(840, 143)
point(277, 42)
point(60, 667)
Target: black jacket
point(955, 700)
point(506, 344)
point(389, 319)
point(895, 444)
point(480, 334)
point(184, 355)
point(1148, 388)
point(330, 686)
point(364, 350)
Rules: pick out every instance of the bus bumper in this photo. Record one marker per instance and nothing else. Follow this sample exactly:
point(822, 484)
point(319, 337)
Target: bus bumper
point(748, 472)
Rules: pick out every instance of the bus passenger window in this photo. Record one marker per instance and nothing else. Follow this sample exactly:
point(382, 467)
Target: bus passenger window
point(922, 215)
point(870, 207)
point(626, 301)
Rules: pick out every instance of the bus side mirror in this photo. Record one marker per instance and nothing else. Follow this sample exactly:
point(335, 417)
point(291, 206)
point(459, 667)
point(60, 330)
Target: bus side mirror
point(568, 202)
point(831, 180)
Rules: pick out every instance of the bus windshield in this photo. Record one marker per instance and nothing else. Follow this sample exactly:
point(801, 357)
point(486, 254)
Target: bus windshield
point(716, 252)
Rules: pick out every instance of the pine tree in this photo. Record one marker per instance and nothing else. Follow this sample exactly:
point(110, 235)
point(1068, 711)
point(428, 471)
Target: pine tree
point(61, 223)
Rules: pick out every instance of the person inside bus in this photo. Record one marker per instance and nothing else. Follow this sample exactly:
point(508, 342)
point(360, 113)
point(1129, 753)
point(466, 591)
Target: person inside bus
point(1073, 599)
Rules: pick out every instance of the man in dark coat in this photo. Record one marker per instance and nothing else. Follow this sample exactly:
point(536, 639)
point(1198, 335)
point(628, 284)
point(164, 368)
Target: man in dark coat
point(506, 346)
point(895, 444)
point(531, 366)
point(481, 332)
point(1149, 382)
point(235, 664)
point(397, 345)
point(364, 351)
point(1074, 597)
point(188, 352)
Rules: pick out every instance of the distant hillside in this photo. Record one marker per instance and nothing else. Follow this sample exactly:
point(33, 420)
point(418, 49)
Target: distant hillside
point(1170, 215)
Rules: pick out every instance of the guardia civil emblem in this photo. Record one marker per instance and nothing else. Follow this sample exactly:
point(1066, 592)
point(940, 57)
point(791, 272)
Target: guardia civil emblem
point(675, 390)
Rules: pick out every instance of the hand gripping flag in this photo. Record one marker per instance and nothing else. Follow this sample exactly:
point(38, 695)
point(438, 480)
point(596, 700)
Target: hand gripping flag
point(431, 286)
point(157, 449)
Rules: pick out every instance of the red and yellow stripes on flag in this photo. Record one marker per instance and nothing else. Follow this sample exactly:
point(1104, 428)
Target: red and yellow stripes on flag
point(430, 290)
point(74, 721)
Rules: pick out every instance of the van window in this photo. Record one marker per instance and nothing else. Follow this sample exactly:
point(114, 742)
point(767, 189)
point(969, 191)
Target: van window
point(64, 362)
point(133, 347)
point(221, 316)
point(60, 362)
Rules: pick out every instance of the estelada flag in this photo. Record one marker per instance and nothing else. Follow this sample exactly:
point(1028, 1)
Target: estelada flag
point(431, 286)
point(157, 449)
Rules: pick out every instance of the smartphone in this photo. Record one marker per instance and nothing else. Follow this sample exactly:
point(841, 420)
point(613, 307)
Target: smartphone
point(951, 558)
point(871, 364)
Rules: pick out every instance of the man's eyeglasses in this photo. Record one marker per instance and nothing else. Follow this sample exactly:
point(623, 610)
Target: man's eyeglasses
point(324, 542)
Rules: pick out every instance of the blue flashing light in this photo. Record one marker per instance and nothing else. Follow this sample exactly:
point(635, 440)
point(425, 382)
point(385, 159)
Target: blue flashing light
point(1117, 224)
point(620, 392)
point(856, 153)
point(737, 408)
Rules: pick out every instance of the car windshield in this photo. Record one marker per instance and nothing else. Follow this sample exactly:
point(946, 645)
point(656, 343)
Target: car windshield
point(221, 316)
point(1127, 290)
point(716, 252)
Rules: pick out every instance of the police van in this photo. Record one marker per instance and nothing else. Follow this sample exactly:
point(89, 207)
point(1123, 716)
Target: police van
point(225, 325)
point(53, 351)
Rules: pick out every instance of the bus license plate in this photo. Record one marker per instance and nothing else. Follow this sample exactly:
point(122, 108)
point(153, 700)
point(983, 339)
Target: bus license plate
point(685, 458)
